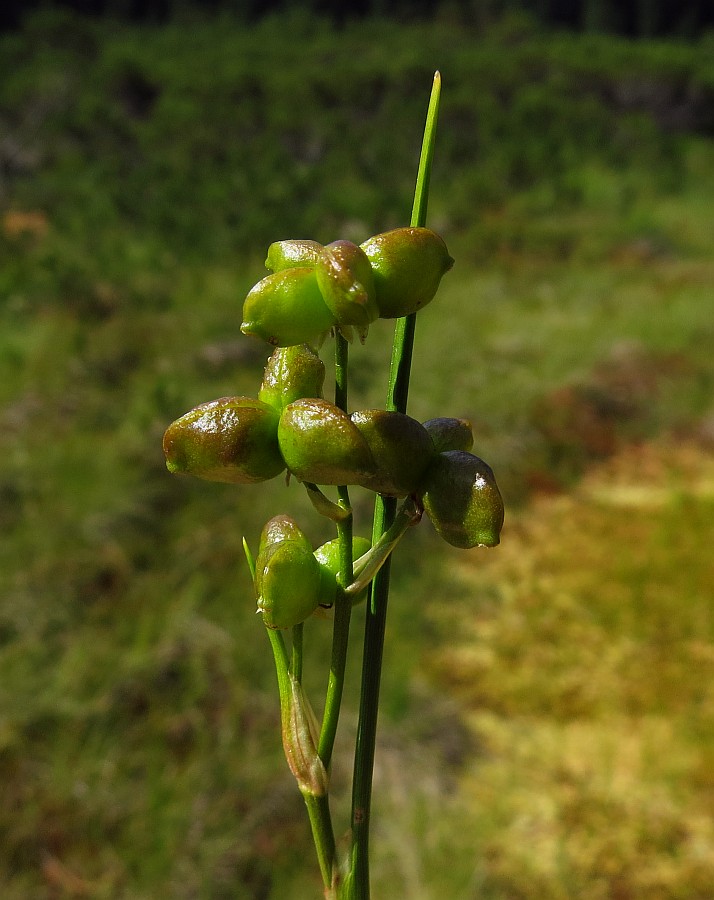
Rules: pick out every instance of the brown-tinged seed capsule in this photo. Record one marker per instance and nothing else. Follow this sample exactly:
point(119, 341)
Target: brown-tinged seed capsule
point(232, 440)
point(290, 374)
point(344, 275)
point(320, 444)
point(408, 264)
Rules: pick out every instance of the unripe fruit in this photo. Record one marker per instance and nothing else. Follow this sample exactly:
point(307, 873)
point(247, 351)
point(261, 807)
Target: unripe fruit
point(320, 444)
point(287, 575)
point(407, 264)
point(287, 308)
point(233, 440)
point(450, 434)
point(292, 255)
point(290, 374)
point(328, 557)
point(344, 275)
point(401, 449)
point(461, 498)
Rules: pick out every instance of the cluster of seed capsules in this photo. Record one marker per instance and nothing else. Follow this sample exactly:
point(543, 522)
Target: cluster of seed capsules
point(290, 426)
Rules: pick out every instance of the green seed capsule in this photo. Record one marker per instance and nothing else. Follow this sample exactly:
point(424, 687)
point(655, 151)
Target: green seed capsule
point(450, 434)
point(401, 449)
point(462, 500)
point(320, 444)
point(233, 440)
point(292, 254)
point(287, 308)
point(408, 264)
point(290, 374)
point(278, 529)
point(344, 275)
point(287, 575)
point(328, 556)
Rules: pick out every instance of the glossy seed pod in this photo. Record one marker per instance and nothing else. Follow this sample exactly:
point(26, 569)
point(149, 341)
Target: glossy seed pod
point(280, 528)
point(450, 434)
point(321, 444)
point(401, 449)
point(290, 374)
point(408, 264)
point(287, 308)
point(345, 278)
point(233, 440)
point(328, 556)
point(292, 254)
point(287, 575)
point(461, 498)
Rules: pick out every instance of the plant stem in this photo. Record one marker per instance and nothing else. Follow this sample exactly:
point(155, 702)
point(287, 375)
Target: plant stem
point(318, 811)
point(343, 604)
point(384, 513)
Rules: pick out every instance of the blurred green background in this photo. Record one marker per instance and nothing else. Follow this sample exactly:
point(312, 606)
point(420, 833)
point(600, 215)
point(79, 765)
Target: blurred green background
point(547, 728)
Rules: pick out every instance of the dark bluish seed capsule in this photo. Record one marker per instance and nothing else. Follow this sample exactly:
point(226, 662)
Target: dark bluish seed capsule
point(450, 434)
point(233, 440)
point(461, 497)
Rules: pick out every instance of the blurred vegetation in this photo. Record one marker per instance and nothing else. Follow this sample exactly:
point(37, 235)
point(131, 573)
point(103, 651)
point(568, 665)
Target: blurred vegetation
point(560, 747)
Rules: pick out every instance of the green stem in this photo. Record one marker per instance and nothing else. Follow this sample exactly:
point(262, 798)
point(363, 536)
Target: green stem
point(280, 655)
point(318, 811)
point(343, 604)
point(384, 513)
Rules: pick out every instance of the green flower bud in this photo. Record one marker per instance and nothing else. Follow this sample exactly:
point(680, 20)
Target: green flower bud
point(320, 444)
point(292, 255)
point(462, 500)
point(287, 308)
point(328, 556)
point(401, 449)
point(344, 275)
point(290, 374)
point(408, 264)
point(450, 434)
point(287, 575)
point(233, 440)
